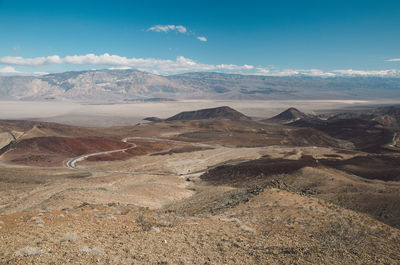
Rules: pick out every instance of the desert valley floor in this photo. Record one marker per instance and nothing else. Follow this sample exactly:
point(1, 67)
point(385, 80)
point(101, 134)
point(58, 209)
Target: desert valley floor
point(211, 186)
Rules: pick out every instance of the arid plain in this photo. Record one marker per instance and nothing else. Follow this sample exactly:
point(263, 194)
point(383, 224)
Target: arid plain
point(212, 186)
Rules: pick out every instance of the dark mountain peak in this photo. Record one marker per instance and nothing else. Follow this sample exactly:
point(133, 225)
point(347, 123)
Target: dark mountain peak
point(223, 112)
point(153, 119)
point(289, 115)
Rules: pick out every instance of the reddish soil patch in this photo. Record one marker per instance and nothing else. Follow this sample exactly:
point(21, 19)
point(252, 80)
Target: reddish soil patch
point(183, 149)
point(53, 151)
point(142, 148)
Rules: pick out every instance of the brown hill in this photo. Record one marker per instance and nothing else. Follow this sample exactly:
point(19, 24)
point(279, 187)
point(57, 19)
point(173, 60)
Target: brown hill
point(366, 135)
point(289, 115)
point(224, 112)
point(388, 116)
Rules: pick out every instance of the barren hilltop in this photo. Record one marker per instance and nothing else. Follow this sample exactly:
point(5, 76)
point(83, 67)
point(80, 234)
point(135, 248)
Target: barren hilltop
point(212, 113)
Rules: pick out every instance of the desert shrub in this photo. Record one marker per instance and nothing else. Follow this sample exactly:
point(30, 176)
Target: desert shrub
point(341, 233)
point(92, 251)
point(29, 251)
point(145, 221)
point(69, 237)
point(26, 218)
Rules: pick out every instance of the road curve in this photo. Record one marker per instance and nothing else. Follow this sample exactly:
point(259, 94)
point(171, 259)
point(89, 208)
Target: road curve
point(72, 162)
point(394, 140)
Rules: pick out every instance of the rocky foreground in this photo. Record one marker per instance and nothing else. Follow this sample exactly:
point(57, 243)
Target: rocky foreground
point(274, 227)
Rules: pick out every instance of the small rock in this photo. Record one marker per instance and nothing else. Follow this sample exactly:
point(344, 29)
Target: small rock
point(38, 220)
point(1, 223)
point(247, 229)
point(62, 216)
point(155, 230)
point(164, 223)
point(106, 216)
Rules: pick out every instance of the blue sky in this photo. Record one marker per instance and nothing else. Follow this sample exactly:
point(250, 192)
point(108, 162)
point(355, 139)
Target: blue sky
point(256, 37)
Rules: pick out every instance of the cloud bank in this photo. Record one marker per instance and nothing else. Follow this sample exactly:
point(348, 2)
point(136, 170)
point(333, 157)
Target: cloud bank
point(162, 66)
point(8, 70)
point(179, 65)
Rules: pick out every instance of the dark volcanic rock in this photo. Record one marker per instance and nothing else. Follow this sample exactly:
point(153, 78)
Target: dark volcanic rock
point(213, 113)
point(288, 115)
point(367, 136)
point(255, 171)
point(380, 167)
point(153, 119)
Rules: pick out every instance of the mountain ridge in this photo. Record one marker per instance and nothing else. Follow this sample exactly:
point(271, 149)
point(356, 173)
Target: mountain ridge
point(131, 85)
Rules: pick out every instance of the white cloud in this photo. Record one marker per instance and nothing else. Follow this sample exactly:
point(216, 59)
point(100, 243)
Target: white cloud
point(179, 65)
point(8, 70)
point(178, 28)
point(393, 60)
point(167, 28)
point(40, 73)
point(383, 73)
point(320, 73)
point(202, 38)
point(38, 61)
point(120, 68)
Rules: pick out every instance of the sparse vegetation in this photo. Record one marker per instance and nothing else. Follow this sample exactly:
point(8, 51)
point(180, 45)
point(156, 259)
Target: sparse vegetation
point(29, 251)
point(144, 219)
point(92, 251)
point(69, 237)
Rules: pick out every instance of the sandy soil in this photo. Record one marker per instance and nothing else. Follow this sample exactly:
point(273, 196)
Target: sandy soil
point(275, 227)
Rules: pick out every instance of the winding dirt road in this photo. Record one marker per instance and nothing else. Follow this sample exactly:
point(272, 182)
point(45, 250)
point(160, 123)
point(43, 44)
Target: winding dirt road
point(72, 162)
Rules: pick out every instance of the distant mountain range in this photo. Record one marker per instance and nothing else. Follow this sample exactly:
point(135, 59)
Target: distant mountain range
point(133, 85)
